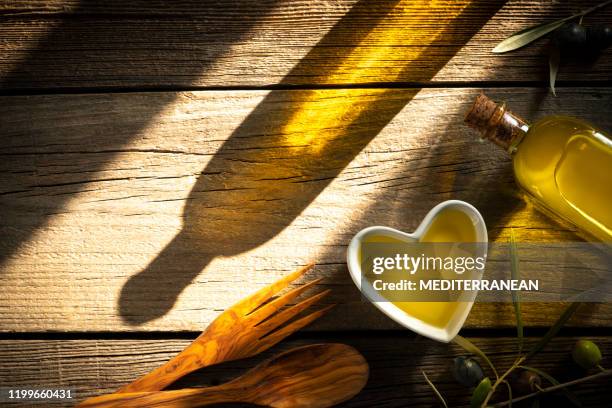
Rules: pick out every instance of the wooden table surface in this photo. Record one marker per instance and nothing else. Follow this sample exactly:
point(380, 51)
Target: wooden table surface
point(161, 160)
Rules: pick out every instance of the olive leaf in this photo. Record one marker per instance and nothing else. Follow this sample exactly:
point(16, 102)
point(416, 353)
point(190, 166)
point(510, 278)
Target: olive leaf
point(552, 332)
point(516, 301)
point(570, 396)
point(480, 394)
point(435, 390)
point(553, 67)
point(471, 348)
point(530, 34)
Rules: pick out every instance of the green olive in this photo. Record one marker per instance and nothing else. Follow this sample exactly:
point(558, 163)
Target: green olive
point(586, 354)
point(467, 371)
point(480, 393)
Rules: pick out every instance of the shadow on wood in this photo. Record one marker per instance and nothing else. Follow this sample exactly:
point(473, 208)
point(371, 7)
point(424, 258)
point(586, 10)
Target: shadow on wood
point(86, 27)
point(292, 145)
point(455, 166)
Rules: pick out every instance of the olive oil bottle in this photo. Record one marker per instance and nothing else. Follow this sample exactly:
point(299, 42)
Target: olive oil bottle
point(563, 163)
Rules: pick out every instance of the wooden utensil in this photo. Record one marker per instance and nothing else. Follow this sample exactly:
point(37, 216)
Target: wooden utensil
point(245, 329)
point(315, 376)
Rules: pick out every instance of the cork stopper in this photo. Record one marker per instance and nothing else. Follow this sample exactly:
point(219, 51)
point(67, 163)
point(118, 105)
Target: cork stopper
point(495, 123)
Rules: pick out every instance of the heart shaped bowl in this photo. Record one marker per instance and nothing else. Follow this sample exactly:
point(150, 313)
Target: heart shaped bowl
point(462, 306)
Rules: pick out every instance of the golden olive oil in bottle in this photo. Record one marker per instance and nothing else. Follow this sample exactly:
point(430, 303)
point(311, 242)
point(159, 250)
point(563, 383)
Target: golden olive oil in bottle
point(564, 164)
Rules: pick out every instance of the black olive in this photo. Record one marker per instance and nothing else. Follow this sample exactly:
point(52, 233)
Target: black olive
point(570, 36)
point(599, 37)
point(527, 382)
point(467, 371)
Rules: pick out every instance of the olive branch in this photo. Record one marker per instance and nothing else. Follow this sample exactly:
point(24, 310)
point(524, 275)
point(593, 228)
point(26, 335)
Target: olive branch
point(528, 35)
point(486, 389)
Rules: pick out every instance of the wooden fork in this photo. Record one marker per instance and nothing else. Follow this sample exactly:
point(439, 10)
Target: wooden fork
point(245, 329)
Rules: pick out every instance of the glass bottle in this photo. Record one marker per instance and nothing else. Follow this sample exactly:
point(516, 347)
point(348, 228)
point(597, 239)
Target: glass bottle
point(563, 163)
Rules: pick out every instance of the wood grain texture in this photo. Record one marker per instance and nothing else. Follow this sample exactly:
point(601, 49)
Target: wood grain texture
point(317, 375)
point(74, 44)
point(244, 330)
point(117, 214)
point(93, 367)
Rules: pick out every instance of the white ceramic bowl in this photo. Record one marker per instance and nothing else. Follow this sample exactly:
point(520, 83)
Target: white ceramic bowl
point(467, 298)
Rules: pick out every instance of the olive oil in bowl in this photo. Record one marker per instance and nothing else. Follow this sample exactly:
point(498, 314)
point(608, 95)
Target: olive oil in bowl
point(450, 226)
point(438, 314)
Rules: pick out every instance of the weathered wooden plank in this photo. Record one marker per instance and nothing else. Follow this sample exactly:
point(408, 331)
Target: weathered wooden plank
point(154, 211)
point(396, 361)
point(73, 44)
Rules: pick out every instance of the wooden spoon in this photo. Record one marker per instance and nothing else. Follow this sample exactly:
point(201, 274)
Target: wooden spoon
point(315, 376)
